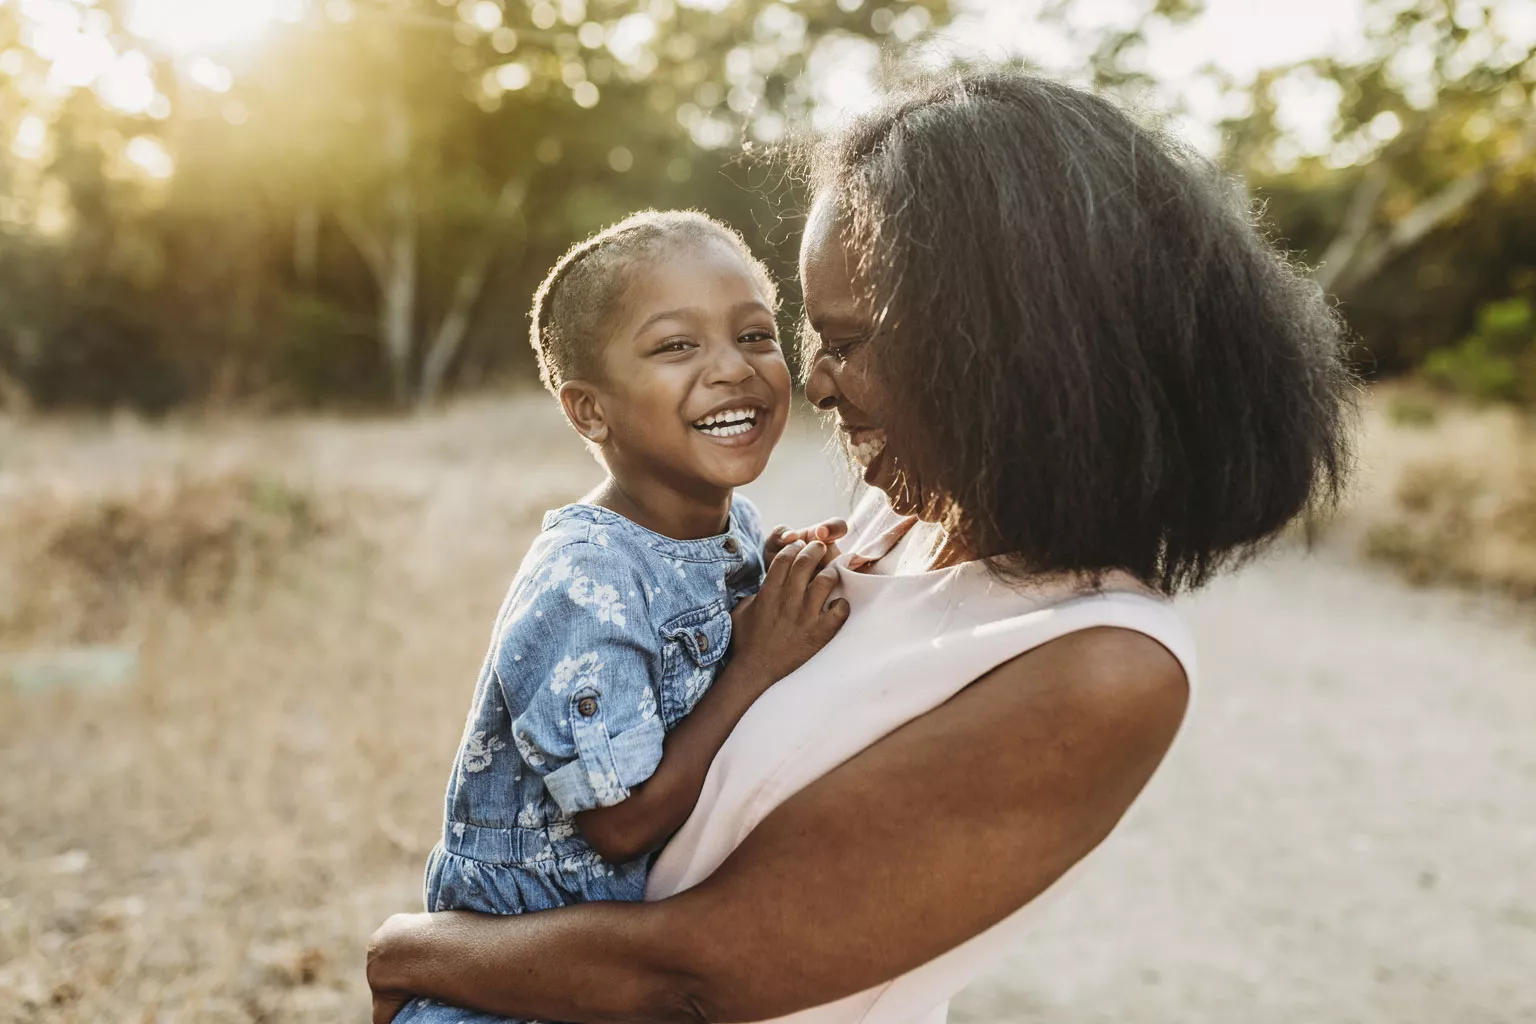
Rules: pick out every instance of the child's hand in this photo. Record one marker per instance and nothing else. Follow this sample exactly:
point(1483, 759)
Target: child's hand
point(790, 618)
point(829, 532)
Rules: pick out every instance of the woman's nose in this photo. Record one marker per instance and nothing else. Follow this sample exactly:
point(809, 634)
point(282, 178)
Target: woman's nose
point(820, 388)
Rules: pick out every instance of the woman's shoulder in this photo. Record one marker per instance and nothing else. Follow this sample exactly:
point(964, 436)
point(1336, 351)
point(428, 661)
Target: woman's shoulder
point(1118, 625)
point(1110, 670)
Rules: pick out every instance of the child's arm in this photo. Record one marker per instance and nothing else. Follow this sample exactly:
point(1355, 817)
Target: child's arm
point(773, 634)
point(828, 531)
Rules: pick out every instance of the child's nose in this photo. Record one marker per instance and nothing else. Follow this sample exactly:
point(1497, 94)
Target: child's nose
point(731, 366)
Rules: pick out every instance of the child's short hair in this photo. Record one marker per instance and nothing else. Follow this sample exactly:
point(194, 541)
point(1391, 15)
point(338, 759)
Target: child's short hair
point(585, 287)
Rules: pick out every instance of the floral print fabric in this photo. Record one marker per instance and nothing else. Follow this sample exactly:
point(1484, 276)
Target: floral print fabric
point(608, 636)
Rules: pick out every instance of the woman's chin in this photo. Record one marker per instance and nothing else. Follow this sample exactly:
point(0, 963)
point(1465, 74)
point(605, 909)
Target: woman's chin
point(881, 474)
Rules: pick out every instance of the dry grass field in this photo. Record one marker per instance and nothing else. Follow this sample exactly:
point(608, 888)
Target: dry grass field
point(1447, 491)
point(1346, 836)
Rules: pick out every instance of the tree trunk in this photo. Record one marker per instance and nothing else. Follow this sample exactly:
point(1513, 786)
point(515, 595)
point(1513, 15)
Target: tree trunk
point(306, 246)
point(466, 294)
point(15, 400)
point(1358, 260)
point(1357, 223)
point(397, 301)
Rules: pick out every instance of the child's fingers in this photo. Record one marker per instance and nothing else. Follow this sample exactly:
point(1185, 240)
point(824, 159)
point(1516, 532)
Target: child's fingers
point(775, 541)
point(832, 620)
point(778, 569)
point(807, 563)
point(833, 553)
point(831, 530)
point(820, 590)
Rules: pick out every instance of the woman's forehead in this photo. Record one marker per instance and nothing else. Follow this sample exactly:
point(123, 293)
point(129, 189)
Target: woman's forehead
point(828, 271)
point(821, 226)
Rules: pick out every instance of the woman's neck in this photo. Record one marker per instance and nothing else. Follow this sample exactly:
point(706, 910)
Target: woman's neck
point(933, 547)
point(914, 547)
point(665, 510)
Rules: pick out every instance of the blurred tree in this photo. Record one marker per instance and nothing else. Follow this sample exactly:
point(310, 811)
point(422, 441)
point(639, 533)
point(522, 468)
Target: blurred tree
point(362, 203)
point(357, 206)
point(1436, 114)
point(1420, 206)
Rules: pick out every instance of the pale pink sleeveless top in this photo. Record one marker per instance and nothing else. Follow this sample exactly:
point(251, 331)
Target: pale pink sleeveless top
point(910, 644)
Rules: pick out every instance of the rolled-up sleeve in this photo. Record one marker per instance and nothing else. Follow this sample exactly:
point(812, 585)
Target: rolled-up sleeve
point(581, 658)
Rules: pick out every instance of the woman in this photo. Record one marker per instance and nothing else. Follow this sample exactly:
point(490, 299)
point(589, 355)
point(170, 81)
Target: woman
point(1078, 382)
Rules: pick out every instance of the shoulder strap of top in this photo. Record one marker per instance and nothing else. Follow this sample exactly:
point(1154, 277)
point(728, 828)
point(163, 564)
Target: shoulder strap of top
point(1138, 611)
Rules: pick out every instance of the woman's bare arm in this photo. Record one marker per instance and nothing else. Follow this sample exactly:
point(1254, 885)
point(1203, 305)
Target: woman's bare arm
point(923, 840)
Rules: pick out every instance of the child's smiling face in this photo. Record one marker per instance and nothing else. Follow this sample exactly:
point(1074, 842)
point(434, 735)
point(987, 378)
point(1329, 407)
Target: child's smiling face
point(694, 388)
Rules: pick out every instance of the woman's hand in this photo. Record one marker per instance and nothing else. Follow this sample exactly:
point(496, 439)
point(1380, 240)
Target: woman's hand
point(386, 1005)
point(384, 952)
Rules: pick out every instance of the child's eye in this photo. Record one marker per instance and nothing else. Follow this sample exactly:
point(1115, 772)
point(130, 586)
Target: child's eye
point(675, 345)
point(758, 338)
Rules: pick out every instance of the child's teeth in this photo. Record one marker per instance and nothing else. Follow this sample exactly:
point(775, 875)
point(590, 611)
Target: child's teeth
point(713, 423)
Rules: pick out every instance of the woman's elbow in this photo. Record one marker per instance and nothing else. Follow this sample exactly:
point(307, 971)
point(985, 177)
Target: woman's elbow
point(683, 978)
point(677, 1001)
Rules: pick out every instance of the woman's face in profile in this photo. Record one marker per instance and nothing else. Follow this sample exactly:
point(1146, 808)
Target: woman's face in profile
point(840, 377)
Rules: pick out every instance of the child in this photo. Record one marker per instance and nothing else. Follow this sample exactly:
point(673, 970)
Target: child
point(607, 692)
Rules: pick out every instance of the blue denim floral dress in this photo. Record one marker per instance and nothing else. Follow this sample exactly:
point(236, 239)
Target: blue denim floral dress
point(609, 635)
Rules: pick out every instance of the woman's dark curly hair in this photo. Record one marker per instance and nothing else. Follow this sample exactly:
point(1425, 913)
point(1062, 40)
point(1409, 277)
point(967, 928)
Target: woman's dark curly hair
point(1099, 360)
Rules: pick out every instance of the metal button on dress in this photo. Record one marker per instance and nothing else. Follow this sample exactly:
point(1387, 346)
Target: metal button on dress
point(702, 641)
point(587, 706)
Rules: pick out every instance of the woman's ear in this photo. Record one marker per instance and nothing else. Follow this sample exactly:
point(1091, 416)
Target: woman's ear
point(584, 408)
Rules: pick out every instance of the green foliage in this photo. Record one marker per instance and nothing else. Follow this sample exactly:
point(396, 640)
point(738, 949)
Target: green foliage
point(327, 355)
point(1412, 411)
point(1424, 205)
point(363, 214)
point(1497, 361)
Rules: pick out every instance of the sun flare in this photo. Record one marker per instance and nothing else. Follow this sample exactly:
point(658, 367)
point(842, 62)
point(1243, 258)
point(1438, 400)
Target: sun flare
point(199, 25)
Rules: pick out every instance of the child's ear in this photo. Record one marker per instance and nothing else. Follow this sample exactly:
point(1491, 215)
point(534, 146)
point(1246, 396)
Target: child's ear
point(584, 408)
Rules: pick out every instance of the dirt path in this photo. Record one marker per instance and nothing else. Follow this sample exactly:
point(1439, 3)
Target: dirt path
point(1346, 834)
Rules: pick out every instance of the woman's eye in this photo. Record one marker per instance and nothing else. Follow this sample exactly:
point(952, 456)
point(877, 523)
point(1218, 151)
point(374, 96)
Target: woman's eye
point(838, 352)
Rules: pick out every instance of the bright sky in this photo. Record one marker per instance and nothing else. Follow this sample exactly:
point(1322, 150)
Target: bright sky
point(189, 26)
point(1238, 36)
